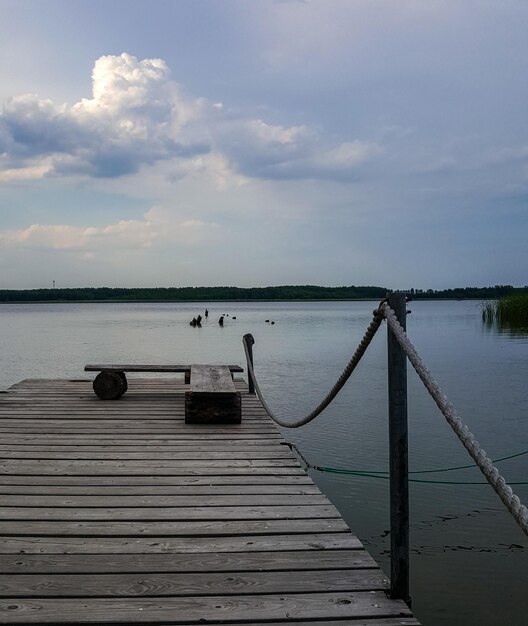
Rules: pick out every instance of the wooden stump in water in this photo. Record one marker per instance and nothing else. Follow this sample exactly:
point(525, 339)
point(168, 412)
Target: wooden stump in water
point(110, 385)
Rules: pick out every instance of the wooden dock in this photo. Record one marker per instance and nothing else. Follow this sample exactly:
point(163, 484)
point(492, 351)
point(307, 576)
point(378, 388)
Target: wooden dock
point(120, 513)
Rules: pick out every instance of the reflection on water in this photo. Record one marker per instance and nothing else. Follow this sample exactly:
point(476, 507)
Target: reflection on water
point(504, 328)
point(508, 314)
point(469, 558)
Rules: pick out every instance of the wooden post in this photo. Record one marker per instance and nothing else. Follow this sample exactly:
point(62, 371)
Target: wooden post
point(249, 341)
point(398, 456)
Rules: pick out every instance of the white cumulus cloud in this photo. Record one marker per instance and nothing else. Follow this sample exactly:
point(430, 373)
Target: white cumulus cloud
point(138, 116)
point(158, 225)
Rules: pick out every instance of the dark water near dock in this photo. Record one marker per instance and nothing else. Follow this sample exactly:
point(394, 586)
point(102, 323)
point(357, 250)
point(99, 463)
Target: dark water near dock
point(469, 558)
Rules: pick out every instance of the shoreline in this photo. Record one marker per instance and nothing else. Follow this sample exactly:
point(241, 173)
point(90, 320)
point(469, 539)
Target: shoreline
point(413, 298)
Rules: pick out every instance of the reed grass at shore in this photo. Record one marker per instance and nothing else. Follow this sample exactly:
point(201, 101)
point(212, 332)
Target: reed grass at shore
point(510, 310)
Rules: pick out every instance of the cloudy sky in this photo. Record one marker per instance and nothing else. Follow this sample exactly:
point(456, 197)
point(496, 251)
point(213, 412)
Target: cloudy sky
point(235, 142)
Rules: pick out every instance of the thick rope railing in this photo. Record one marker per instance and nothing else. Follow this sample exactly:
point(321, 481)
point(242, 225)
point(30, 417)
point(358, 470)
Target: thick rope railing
point(484, 463)
point(350, 367)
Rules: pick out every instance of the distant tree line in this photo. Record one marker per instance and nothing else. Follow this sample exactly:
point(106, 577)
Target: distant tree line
point(466, 293)
point(191, 294)
point(285, 292)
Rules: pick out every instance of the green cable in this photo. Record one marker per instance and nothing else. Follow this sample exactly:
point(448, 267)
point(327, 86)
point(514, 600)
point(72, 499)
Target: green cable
point(450, 469)
point(432, 471)
point(334, 470)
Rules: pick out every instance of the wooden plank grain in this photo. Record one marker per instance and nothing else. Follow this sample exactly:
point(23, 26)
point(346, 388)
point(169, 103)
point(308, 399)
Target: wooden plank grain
point(196, 609)
point(145, 501)
point(187, 562)
point(187, 584)
point(42, 444)
point(211, 379)
point(190, 545)
point(8, 465)
point(180, 439)
point(138, 492)
point(188, 468)
point(169, 513)
point(165, 453)
point(148, 479)
point(148, 367)
point(170, 528)
point(146, 455)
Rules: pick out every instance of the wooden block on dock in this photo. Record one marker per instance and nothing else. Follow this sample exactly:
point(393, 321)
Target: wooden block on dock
point(212, 397)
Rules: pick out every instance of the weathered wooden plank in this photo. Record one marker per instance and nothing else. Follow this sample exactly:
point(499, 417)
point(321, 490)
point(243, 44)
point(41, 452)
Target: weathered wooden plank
point(127, 439)
point(164, 471)
point(277, 466)
point(71, 414)
point(127, 405)
point(146, 464)
point(37, 444)
point(169, 513)
point(75, 412)
point(68, 431)
point(137, 398)
point(118, 455)
point(143, 527)
point(211, 379)
point(134, 401)
point(174, 584)
point(169, 423)
point(196, 609)
point(148, 479)
point(172, 425)
point(209, 500)
point(142, 545)
point(170, 528)
point(190, 454)
point(225, 448)
point(172, 411)
point(148, 368)
point(117, 491)
point(193, 562)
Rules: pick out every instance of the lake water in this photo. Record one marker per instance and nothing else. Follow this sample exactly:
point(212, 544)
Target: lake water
point(469, 559)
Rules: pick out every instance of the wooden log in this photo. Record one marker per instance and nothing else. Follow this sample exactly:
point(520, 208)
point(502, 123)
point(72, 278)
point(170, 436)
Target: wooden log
point(110, 385)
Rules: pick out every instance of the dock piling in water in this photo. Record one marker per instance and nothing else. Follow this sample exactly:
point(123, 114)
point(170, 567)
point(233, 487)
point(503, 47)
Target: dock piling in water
point(398, 455)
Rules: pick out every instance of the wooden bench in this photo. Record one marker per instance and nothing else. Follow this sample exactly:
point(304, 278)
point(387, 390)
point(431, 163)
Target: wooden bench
point(111, 382)
point(212, 397)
